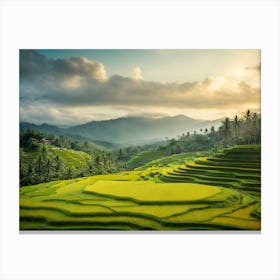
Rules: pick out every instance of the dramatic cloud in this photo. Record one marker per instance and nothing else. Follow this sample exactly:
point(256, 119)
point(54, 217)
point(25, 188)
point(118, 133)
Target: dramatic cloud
point(34, 65)
point(77, 89)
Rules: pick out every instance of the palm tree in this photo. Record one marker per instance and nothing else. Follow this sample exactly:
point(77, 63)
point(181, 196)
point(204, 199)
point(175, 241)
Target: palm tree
point(31, 176)
point(58, 163)
point(69, 173)
point(90, 169)
point(248, 115)
point(120, 154)
point(236, 127)
point(226, 130)
point(39, 165)
point(48, 170)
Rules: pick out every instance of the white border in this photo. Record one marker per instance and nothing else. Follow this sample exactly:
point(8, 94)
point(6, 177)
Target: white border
point(156, 24)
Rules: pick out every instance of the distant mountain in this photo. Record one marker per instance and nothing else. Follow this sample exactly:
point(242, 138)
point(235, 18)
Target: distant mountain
point(46, 128)
point(139, 130)
point(130, 130)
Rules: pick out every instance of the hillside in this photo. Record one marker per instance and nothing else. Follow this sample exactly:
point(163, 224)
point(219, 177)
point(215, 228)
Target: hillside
point(139, 130)
point(71, 158)
point(129, 130)
point(58, 131)
point(137, 200)
point(238, 167)
point(172, 147)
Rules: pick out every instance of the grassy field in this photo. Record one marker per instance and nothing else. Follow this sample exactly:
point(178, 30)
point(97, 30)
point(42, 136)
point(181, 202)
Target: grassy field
point(190, 191)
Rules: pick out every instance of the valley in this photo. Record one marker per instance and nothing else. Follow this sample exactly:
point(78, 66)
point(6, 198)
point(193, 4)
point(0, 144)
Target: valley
point(197, 181)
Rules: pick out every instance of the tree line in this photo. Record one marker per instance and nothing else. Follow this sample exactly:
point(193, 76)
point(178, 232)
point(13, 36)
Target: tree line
point(47, 167)
point(241, 130)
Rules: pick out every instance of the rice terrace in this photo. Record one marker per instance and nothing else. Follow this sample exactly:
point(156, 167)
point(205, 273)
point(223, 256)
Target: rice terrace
point(140, 140)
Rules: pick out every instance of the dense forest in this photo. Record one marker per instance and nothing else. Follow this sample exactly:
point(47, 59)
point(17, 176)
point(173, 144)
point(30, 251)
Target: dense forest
point(47, 157)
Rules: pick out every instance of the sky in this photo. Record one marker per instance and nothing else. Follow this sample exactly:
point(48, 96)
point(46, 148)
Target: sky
point(70, 87)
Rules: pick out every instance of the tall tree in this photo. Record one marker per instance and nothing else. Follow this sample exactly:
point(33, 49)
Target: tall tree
point(226, 131)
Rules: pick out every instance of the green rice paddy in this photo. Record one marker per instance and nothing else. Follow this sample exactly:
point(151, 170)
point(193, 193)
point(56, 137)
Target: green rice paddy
point(209, 193)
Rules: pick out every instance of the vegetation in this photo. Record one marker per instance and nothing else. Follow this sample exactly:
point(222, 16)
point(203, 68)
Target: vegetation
point(206, 180)
point(45, 157)
point(241, 130)
point(237, 167)
point(93, 204)
point(127, 201)
point(145, 192)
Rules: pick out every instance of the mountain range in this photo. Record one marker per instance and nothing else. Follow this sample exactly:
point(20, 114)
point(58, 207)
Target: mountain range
point(130, 130)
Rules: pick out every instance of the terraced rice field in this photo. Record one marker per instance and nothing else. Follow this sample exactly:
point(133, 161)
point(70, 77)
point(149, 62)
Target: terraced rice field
point(215, 193)
point(121, 201)
point(145, 157)
point(238, 167)
point(75, 159)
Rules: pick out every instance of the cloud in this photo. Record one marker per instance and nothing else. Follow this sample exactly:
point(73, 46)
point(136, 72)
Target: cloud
point(81, 86)
point(137, 74)
point(81, 66)
point(120, 91)
point(34, 66)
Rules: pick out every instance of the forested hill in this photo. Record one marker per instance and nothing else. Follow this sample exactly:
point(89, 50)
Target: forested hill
point(132, 130)
point(58, 131)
